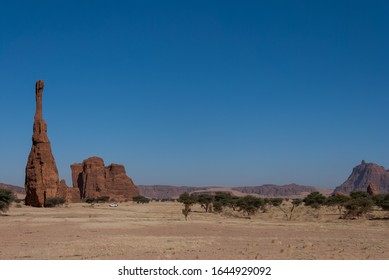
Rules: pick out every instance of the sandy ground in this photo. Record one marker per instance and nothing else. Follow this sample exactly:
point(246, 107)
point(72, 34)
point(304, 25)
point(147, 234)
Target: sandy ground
point(159, 231)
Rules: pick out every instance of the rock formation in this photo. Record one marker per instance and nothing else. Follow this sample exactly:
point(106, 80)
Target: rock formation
point(371, 189)
point(41, 181)
point(93, 179)
point(363, 175)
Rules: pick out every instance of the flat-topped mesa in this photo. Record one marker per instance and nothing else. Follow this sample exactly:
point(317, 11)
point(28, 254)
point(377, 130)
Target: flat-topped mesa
point(41, 181)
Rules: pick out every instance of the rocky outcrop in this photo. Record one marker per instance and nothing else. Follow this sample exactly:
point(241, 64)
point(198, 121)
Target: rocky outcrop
point(363, 175)
point(371, 189)
point(41, 181)
point(93, 179)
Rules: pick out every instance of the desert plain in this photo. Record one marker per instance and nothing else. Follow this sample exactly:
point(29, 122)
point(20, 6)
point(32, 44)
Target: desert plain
point(158, 230)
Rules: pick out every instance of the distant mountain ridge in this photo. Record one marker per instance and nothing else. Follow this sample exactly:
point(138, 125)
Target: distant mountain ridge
point(15, 189)
point(171, 192)
point(268, 190)
point(364, 174)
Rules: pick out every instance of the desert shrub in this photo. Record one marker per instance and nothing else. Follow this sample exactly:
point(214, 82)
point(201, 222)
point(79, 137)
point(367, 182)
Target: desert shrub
point(382, 200)
point(217, 207)
point(102, 199)
point(338, 200)
point(6, 198)
point(314, 200)
point(359, 194)
point(18, 200)
point(54, 202)
point(358, 206)
point(89, 200)
point(140, 199)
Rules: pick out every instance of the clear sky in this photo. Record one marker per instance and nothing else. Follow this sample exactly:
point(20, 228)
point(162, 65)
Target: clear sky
point(199, 93)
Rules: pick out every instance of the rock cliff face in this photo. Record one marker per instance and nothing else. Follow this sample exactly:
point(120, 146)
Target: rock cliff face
point(364, 175)
point(41, 181)
point(93, 179)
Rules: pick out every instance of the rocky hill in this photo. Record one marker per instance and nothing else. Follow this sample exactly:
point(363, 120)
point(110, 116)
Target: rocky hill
point(363, 175)
point(291, 190)
point(19, 191)
point(165, 191)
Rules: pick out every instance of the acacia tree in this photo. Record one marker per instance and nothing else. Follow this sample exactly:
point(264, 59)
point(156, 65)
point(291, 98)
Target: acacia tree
point(188, 201)
point(6, 197)
point(249, 204)
point(288, 211)
point(359, 205)
point(205, 201)
point(338, 200)
point(382, 200)
point(315, 200)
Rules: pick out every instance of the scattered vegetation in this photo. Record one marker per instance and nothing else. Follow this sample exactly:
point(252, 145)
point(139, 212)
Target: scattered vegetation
point(338, 200)
point(285, 207)
point(359, 204)
point(315, 200)
point(356, 205)
point(140, 199)
point(6, 198)
point(54, 202)
point(100, 199)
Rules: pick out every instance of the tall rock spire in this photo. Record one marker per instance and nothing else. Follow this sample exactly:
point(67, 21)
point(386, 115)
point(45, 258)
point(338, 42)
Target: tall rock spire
point(42, 179)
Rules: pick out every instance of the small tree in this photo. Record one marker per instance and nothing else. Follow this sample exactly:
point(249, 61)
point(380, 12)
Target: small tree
point(205, 201)
point(188, 201)
point(382, 200)
point(338, 200)
point(358, 206)
point(6, 198)
point(278, 202)
point(315, 200)
point(249, 204)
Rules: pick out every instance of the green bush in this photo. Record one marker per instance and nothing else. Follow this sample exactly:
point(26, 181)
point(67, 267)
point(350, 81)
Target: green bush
point(54, 202)
point(90, 200)
point(314, 200)
point(338, 200)
point(140, 199)
point(6, 198)
point(359, 206)
point(102, 199)
point(249, 204)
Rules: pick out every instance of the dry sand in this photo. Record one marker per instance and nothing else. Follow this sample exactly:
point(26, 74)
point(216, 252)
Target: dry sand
point(159, 231)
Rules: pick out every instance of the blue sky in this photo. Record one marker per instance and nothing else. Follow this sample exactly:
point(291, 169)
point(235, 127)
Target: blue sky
point(199, 92)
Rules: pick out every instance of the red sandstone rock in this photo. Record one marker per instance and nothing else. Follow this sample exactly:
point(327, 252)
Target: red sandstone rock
point(371, 189)
point(41, 181)
point(93, 179)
